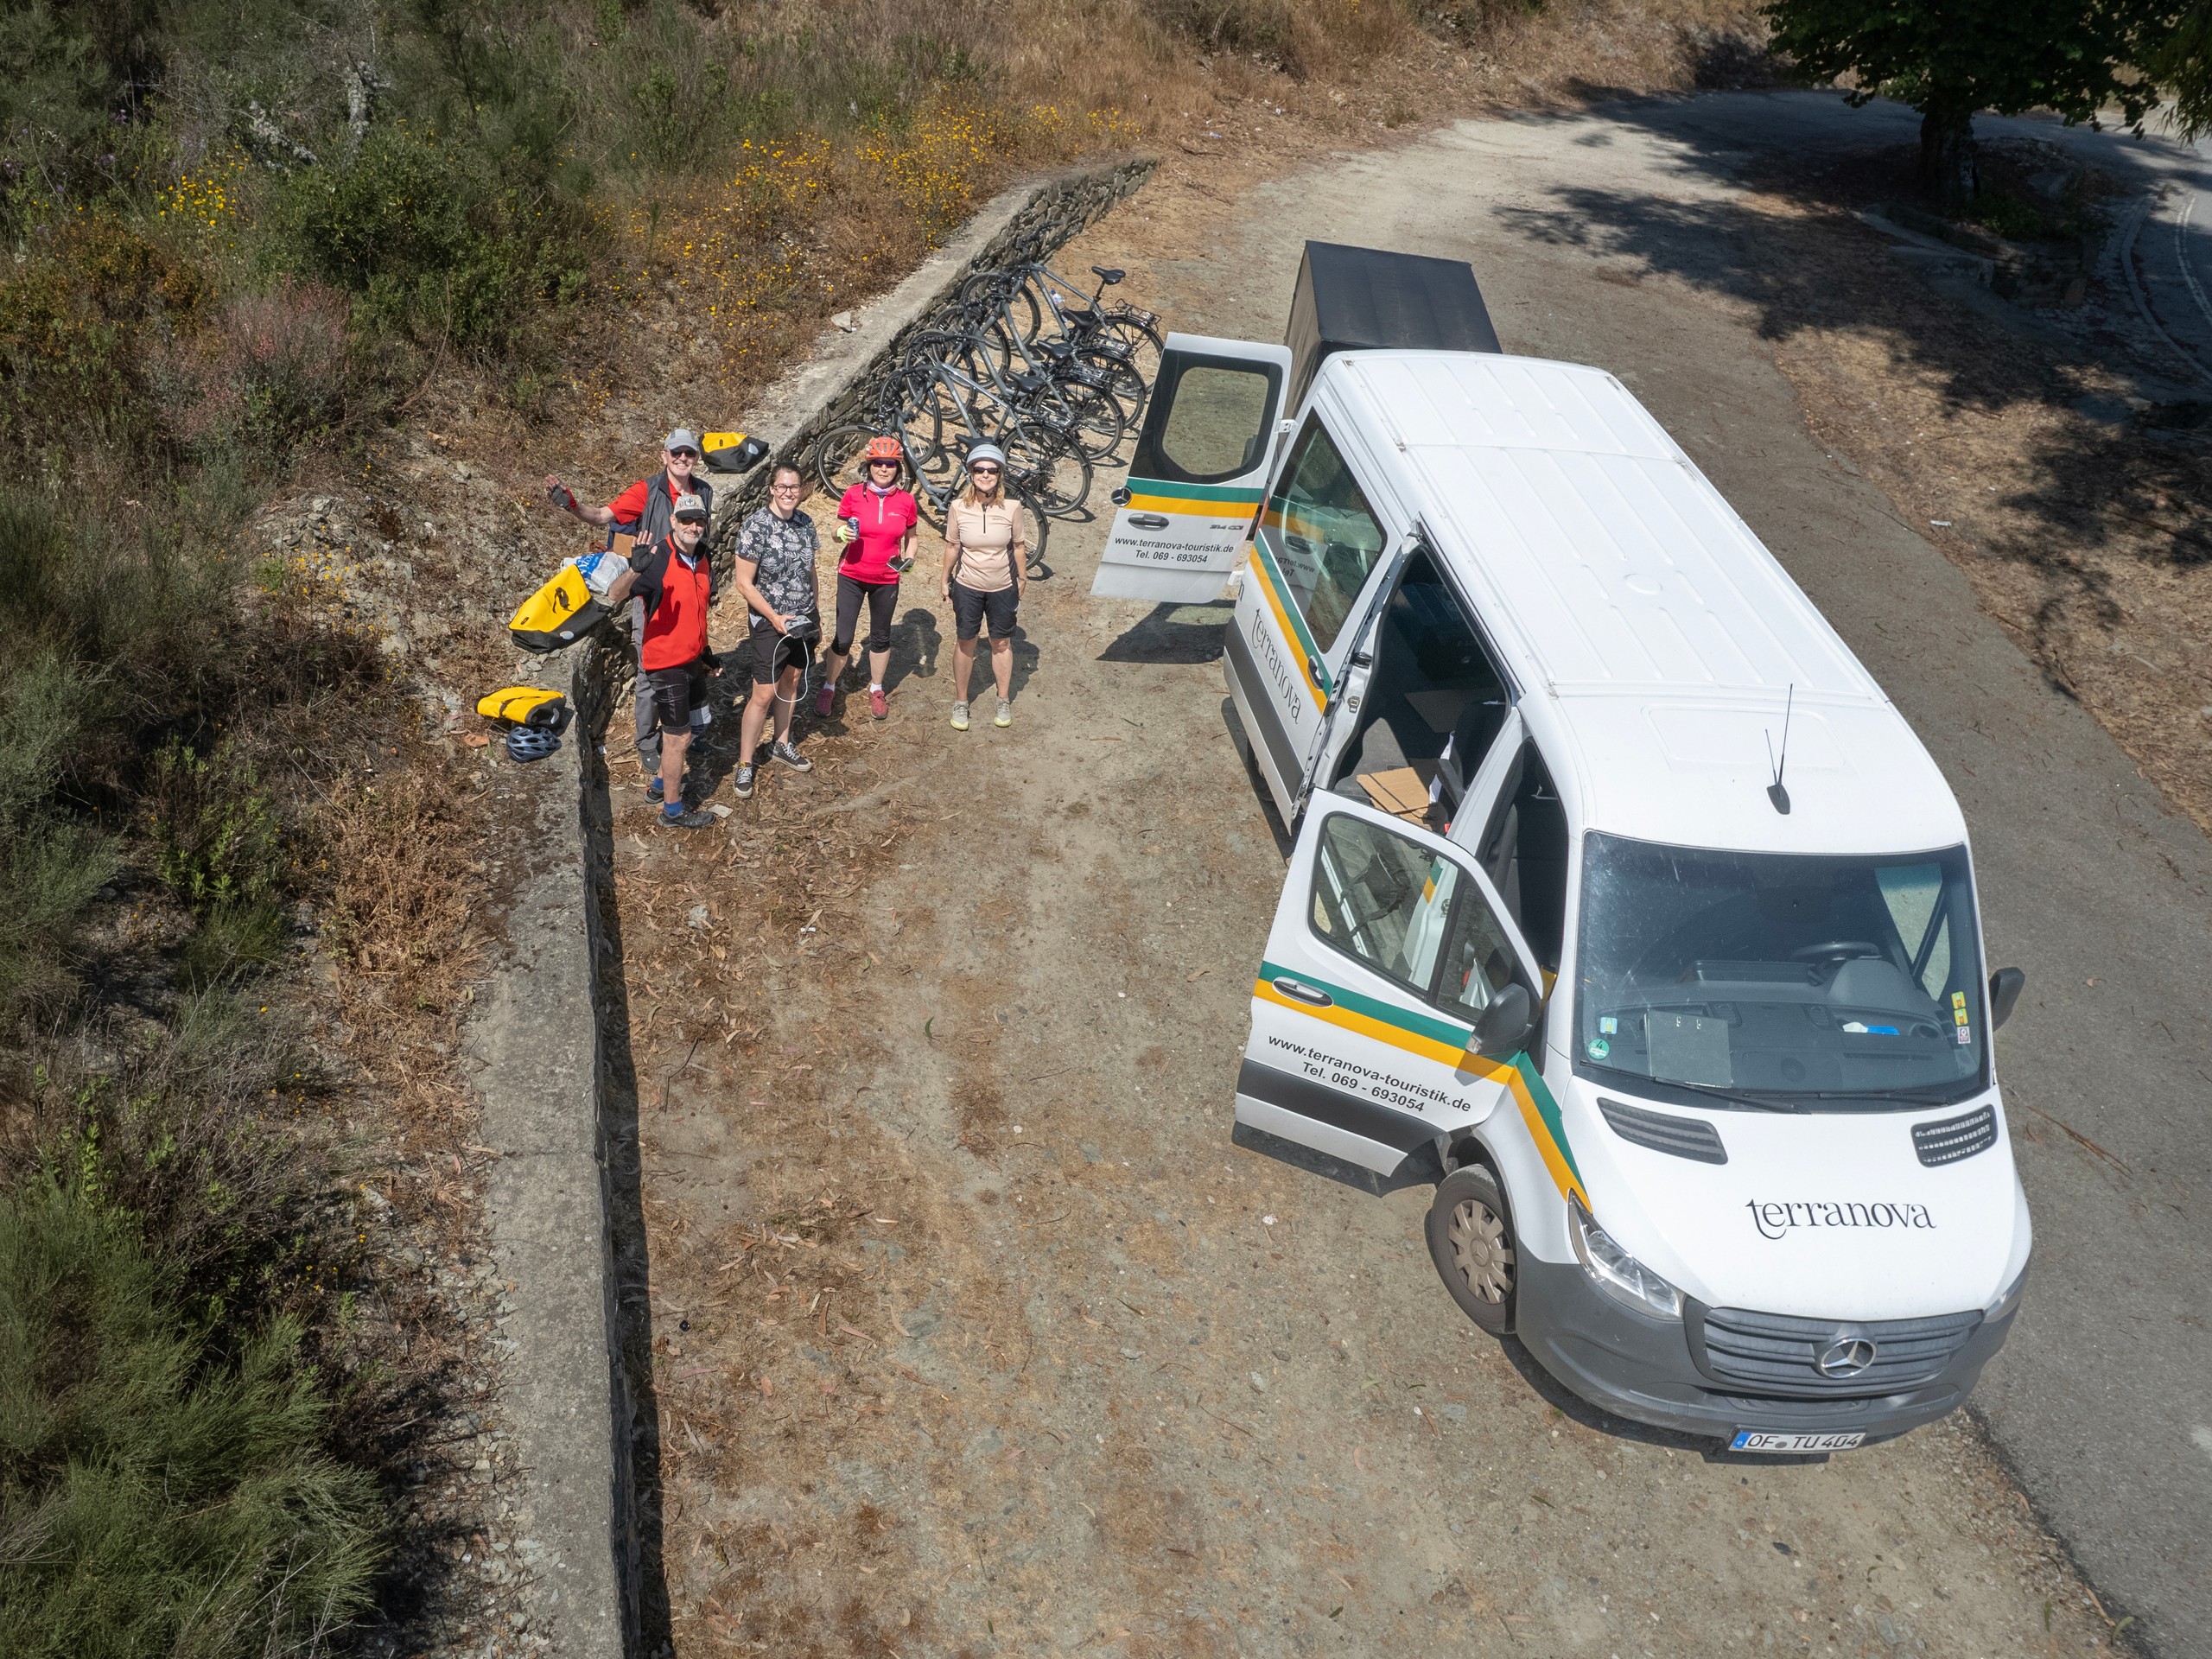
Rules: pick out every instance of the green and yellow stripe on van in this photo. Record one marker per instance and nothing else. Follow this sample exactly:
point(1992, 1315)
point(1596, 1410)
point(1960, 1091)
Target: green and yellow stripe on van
point(1446, 1043)
point(1195, 500)
point(1276, 593)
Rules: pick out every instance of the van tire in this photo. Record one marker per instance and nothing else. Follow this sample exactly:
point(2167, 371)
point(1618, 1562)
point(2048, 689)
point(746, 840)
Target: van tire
point(1471, 1240)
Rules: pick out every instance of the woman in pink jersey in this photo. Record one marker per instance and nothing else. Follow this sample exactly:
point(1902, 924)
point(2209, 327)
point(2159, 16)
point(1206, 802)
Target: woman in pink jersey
point(876, 530)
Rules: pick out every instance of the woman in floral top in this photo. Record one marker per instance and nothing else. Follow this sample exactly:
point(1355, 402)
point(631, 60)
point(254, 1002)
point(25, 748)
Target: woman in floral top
point(773, 569)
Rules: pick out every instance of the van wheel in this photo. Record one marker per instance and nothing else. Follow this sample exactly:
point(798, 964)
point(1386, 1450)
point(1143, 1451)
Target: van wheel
point(1470, 1241)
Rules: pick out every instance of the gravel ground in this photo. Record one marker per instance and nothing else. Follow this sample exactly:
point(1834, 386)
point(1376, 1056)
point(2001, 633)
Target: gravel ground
point(974, 1332)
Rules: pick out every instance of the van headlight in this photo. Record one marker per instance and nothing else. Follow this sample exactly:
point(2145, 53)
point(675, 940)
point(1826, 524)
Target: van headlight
point(2009, 1297)
point(1617, 1273)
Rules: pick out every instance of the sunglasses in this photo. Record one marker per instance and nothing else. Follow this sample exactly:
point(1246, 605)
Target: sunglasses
point(985, 467)
point(882, 461)
point(684, 454)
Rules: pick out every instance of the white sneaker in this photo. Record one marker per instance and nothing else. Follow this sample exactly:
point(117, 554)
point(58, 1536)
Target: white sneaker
point(1005, 715)
point(959, 716)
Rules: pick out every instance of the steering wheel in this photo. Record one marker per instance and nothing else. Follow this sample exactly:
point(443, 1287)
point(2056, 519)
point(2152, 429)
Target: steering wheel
point(1837, 951)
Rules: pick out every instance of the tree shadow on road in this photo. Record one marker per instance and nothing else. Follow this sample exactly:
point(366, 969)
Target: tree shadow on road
point(2063, 458)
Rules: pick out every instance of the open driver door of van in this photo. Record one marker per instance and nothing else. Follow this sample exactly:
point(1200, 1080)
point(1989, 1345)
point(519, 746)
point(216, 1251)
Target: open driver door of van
point(1388, 948)
point(1200, 466)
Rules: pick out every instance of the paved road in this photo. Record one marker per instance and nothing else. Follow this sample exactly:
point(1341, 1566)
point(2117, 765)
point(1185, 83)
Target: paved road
point(2102, 1403)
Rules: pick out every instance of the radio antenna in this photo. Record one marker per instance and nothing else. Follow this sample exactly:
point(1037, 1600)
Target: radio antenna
point(1775, 791)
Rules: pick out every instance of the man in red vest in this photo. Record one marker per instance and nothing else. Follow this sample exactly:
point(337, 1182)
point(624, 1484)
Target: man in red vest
point(644, 511)
point(674, 581)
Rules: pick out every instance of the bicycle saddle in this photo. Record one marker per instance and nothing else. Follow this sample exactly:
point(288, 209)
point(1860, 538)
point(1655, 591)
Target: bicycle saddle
point(1028, 381)
point(1107, 275)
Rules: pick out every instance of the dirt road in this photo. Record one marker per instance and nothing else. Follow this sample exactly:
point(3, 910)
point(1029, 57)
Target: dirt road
point(974, 1333)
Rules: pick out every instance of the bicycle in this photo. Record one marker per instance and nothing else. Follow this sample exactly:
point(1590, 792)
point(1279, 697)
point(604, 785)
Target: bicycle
point(920, 401)
point(1125, 337)
point(1063, 392)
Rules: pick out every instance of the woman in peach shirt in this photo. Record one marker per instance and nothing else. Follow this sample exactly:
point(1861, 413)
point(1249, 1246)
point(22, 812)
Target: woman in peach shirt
point(986, 567)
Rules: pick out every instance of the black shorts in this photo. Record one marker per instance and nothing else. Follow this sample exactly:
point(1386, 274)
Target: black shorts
point(970, 607)
point(676, 692)
point(757, 656)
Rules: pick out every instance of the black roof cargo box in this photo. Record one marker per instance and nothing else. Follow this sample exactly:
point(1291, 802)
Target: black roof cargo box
point(1363, 299)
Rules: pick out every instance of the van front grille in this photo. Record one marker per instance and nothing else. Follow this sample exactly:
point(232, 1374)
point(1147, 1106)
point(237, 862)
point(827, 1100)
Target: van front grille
point(1954, 1138)
point(1781, 1354)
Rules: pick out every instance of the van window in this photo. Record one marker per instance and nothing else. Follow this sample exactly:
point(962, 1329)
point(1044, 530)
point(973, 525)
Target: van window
point(1389, 903)
point(1523, 850)
point(1324, 535)
point(1812, 983)
point(1210, 419)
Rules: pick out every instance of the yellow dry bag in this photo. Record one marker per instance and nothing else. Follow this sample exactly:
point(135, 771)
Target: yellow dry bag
point(531, 706)
point(558, 614)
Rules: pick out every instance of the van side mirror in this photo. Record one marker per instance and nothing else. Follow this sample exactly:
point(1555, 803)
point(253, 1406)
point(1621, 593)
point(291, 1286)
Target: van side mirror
point(1504, 1026)
point(2005, 988)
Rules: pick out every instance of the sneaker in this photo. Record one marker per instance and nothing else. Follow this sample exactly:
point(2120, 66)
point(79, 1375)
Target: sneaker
point(825, 699)
point(878, 704)
point(741, 784)
point(1005, 715)
point(655, 793)
point(790, 757)
point(697, 818)
point(959, 716)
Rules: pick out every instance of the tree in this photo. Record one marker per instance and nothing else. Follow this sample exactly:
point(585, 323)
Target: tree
point(1950, 59)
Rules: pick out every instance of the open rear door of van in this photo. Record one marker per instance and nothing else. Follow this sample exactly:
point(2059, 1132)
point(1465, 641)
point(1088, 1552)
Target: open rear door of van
point(1201, 464)
point(1388, 945)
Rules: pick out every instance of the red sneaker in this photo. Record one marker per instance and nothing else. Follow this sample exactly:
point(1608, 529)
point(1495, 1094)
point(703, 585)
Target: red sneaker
point(878, 704)
point(823, 700)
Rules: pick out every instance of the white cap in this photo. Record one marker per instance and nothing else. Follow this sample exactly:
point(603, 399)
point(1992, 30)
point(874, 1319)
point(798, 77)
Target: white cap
point(687, 505)
point(683, 438)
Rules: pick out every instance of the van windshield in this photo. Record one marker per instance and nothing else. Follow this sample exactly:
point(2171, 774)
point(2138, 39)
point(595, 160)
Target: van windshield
point(1777, 980)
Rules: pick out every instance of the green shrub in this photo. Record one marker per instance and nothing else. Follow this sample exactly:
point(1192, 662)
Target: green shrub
point(50, 867)
point(232, 940)
point(214, 834)
point(427, 233)
point(163, 1487)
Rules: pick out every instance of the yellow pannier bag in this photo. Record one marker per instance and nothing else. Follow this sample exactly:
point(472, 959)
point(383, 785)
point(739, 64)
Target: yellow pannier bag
point(571, 605)
point(531, 706)
point(732, 452)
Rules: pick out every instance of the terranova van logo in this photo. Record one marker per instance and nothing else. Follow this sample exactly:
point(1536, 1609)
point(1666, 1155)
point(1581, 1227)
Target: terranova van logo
point(1774, 1221)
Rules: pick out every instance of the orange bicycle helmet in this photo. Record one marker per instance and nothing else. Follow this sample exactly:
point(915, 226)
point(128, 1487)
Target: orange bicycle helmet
point(884, 448)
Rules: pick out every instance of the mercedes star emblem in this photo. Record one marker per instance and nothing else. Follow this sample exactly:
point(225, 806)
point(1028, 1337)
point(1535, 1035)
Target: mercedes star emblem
point(1847, 1357)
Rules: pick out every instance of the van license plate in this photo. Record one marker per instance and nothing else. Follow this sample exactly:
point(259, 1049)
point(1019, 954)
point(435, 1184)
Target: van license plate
point(1761, 1439)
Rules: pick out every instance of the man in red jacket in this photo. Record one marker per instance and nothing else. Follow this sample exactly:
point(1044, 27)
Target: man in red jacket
point(674, 580)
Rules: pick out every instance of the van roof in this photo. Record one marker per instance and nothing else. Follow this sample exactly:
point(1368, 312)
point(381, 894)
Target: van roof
point(1660, 636)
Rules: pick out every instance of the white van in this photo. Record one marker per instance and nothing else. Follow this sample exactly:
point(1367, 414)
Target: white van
point(1624, 905)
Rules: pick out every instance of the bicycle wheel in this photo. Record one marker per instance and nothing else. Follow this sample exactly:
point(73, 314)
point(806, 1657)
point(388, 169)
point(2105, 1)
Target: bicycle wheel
point(932, 345)
point(837, 457)
point(1045, 468)
point(1143, 340)
point(1035, 529)
point(1113, 365)
point(1093, 418)
point(984, 291)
